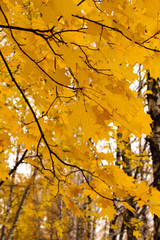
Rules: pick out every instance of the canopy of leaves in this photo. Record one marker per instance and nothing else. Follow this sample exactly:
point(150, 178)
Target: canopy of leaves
point(65, 71)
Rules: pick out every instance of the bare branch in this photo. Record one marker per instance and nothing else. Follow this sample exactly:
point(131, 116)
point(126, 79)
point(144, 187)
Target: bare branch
point(16, 166)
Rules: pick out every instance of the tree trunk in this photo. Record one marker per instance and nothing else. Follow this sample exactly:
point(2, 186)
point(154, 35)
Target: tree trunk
point(9, 204)
point(13, 228)
point(154, 111)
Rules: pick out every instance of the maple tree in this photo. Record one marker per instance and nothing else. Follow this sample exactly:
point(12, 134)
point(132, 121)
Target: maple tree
point(66, 68)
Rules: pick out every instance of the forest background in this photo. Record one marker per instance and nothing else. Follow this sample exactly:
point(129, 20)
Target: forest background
point(66, 70)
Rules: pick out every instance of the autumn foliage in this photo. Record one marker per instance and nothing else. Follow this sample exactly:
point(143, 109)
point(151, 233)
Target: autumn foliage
point(66, 68)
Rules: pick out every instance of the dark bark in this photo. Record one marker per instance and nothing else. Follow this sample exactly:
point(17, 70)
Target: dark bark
point(154, 140)
point(122, 218)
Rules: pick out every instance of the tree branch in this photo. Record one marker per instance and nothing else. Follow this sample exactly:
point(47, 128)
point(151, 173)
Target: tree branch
point(15, 167)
